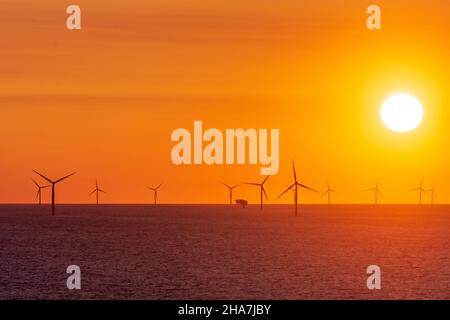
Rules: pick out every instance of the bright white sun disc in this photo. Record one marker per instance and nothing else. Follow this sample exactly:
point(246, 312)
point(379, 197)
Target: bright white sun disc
point(402, 113)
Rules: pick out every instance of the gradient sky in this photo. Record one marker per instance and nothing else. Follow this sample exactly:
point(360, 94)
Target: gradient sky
point(103, 101)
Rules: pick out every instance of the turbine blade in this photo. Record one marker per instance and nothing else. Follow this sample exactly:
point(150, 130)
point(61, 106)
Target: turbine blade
point(293, 167)
point(289, 188)
point(63, 178)
point(37, 194)
point(43, 177)
point(100, 190)
point(265, 194)
point(226, 185)
point(37, 185)
point(252, 184)
point(90, 194)
point(158, 186)
point(265, 180)
point(305, 187)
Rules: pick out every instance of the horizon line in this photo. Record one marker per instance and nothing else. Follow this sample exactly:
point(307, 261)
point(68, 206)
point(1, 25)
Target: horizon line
point(227, 204)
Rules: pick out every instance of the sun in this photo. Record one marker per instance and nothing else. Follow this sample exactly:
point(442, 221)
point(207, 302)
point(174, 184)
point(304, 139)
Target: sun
point(402, 113)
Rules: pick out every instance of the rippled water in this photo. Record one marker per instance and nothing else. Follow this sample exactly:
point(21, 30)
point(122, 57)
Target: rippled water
point(220, 252)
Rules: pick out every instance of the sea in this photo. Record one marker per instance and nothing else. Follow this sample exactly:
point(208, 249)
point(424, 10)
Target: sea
point(225, 251)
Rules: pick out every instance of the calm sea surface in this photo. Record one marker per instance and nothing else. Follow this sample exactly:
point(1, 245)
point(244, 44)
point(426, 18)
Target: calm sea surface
point(221, 252)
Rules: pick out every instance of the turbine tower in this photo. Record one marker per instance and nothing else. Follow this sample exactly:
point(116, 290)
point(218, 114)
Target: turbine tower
point(155, 193)
point(96, 190)
point(329, 191)
point(376, 191)
point(295, 186)
point(421, 190)
point(39, 193)
point(231, 190)
point(262, 190)
point(54, 182)
point(432, 194)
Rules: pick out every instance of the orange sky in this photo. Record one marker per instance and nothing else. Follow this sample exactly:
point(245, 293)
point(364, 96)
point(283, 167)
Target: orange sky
point(103, 101)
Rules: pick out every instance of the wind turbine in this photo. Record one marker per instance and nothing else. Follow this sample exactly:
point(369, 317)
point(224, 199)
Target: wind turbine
point(96, 190)
point(53, 186)
point(231, 190)
point(421, 190)
point(376, 191)
point(433, 194)
point(295, 187)
point(155, 192)
point(262, 190)
point(329, 191)
point(39, 193)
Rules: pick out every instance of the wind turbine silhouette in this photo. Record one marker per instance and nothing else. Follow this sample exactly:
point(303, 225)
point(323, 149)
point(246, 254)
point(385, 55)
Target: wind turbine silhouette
point(53, 186)
point(155, 192)
point(231, 190)
point(329, 191)
point(295, 187)
point(376, 191)
point(96, 190)
point(433, 194)
point(421, 190)
point(262, 190)
point(38, 195)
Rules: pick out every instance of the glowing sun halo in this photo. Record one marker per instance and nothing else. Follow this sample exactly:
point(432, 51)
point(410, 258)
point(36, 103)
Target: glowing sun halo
point(402, 113)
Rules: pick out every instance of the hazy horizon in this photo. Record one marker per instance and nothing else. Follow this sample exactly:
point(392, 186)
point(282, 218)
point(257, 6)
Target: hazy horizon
point(226, 204)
